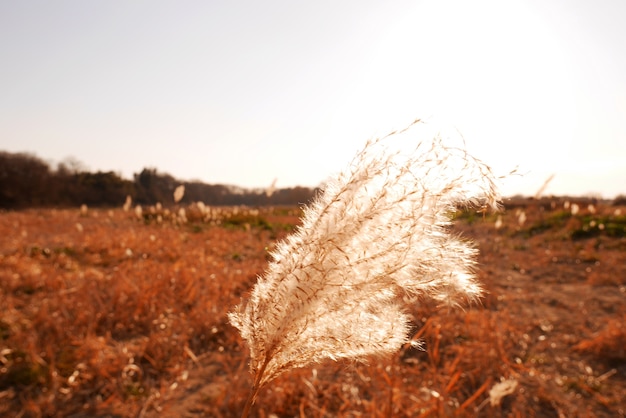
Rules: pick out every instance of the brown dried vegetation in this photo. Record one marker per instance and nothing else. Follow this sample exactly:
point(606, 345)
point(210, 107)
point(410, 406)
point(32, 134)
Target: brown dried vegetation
point(107, 314)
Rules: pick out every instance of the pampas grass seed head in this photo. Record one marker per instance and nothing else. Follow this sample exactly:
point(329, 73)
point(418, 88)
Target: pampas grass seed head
point(377, 232)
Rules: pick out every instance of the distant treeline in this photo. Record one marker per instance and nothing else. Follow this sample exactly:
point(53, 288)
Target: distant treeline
point(27, 181)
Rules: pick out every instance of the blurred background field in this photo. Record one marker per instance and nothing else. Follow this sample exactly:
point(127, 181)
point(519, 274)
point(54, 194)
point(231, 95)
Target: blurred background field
point(112, 312)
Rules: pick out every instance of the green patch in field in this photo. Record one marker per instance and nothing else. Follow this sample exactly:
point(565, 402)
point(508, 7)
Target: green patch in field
point(134, 390)
point(469, 216)
point(593, 226)
point(247, 221)
point(553, 221)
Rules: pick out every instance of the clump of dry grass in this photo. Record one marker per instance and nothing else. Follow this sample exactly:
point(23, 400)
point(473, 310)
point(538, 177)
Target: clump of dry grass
point(374, 238)
point(103, 320)
point(609, 344)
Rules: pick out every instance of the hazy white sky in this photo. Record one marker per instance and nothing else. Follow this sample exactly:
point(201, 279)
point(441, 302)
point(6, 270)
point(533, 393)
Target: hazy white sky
point(242, 92)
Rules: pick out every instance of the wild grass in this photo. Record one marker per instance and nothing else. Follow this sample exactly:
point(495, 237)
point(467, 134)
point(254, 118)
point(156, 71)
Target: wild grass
point(107, 316)
point(127, 318)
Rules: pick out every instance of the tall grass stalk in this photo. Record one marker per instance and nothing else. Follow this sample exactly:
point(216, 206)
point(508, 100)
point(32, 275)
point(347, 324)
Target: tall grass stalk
point(375, 238)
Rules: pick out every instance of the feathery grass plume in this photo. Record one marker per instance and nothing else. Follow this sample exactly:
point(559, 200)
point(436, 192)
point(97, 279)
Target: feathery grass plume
point(375, 234)
point(127, 203)
point(179, 192)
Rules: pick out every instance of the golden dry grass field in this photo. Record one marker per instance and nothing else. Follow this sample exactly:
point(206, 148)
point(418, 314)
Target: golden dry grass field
point(107, 313)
